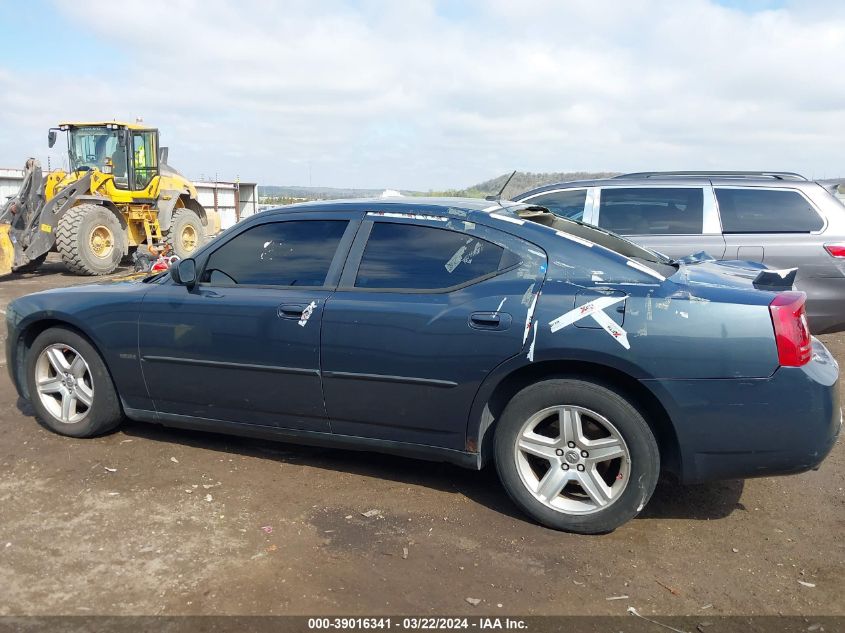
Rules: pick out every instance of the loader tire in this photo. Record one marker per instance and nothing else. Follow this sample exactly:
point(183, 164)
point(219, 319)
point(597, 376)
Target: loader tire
point(186, 233)
point(32, 265)
point(90, 240)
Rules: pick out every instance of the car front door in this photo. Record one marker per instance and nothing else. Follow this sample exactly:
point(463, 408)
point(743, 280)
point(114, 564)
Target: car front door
point(243, 345)
point(673, 220)
point(422, 314)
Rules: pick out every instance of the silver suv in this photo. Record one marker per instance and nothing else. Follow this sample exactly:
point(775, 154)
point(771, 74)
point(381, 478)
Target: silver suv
point(780, 219)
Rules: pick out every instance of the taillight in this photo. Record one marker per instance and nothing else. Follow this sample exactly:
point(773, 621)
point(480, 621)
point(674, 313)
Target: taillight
point(835, 250)
point(791, 331)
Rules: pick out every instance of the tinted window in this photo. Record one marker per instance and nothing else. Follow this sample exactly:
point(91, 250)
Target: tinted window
point(566, 204)
point(652, 211)
point(296, 253)
point(766, 211)
point(419, 257)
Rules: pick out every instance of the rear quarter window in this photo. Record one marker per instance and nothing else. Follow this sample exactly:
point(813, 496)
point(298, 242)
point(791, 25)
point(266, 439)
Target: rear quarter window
point(766, 211)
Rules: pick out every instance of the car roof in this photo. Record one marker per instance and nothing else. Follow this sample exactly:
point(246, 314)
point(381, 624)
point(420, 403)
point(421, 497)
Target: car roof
point(683, 179)
point(670, 179)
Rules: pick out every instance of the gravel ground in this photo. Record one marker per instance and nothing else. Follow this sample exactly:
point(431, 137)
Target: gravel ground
point(149, 520)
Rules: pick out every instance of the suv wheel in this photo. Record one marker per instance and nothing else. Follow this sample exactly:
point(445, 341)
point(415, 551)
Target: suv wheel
point(576, 456)
point(69, 385)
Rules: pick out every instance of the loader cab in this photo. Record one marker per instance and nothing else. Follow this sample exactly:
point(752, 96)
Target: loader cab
point(129, 153)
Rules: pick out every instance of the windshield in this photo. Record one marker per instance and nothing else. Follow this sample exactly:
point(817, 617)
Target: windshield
point(90, 147)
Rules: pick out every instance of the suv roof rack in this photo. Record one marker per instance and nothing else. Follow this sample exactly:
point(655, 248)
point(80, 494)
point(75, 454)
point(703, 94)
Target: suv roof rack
point(775, 175)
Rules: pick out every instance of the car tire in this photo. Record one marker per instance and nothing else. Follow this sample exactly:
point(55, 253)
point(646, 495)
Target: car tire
point(69, 385)
point(558, 440)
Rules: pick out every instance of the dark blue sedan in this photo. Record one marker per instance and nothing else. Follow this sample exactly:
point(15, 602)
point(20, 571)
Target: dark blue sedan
point(458, 330)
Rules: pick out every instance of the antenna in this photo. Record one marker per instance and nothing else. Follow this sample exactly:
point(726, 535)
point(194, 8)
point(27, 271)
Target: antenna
point(498, 196)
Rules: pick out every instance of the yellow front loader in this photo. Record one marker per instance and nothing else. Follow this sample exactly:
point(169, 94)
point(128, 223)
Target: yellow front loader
point(118, 193)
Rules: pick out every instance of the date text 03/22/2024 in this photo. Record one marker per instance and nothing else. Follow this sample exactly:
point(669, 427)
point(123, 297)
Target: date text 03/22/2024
point(412, 623)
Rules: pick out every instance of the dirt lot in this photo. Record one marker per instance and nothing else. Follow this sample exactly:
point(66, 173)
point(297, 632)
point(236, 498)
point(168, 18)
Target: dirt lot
point(155, 521)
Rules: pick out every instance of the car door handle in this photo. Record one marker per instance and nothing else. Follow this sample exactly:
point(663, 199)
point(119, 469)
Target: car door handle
point(490, 320)
point(291, 311)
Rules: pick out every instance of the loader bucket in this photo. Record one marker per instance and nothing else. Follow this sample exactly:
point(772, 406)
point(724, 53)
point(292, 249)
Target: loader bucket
point(7, 250)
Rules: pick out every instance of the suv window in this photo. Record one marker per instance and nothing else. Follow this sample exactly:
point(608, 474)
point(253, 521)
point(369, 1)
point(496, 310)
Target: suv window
point(566, 204)
point(766, 211)
point(424, 258)
point(652, 210)
point(292, 253)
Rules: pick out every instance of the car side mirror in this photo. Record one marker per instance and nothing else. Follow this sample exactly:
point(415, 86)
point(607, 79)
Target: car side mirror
point(51, 138)
point(162, 155)
point(184, 272)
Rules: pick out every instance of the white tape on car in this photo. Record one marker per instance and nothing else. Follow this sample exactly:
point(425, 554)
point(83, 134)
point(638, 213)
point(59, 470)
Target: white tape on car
point(533, 344)
point(529, 317)
point(595, 309)
point(505, 218)
point(408, 216)
point(306, 313)
point(645, 269)
point(611, 327)
point(575, 238)
point(583, 311)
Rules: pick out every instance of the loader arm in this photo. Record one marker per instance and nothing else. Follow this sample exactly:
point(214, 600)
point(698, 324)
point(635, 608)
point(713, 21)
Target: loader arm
point(28, 229)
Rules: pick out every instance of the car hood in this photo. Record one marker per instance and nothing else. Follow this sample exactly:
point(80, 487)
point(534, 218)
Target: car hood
point(110, 286)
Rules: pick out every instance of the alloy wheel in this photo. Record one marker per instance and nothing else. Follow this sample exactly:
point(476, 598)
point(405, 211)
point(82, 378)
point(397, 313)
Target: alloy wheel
point(64, 383)
point(572, 460)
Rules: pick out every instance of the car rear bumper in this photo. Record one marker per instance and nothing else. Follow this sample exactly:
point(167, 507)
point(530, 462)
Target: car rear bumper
point(740, 428)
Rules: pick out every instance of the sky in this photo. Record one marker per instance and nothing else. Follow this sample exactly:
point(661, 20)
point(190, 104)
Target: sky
point(434, 94)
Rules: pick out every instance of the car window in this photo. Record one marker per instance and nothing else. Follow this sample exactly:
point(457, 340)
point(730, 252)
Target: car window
point(424, 258)
point(766, 211)
point(566, 204)
point(293, 253)
point(652, 210)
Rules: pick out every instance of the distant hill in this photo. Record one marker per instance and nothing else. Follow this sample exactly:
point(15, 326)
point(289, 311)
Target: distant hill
point(522, 181)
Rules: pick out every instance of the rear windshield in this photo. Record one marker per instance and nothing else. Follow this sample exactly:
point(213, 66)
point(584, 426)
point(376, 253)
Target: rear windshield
point(611, 241)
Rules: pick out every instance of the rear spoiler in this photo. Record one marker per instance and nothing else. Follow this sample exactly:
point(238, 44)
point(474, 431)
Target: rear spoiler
point(775, 280)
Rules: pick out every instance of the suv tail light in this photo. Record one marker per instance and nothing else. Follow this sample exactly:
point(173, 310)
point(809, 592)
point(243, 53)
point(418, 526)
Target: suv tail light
point(792, 334)
point(835, 250)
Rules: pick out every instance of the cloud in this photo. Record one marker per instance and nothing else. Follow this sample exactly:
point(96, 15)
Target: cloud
point(422, 95)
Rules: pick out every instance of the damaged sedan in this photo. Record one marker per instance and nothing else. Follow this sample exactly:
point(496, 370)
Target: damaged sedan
point(467, 331)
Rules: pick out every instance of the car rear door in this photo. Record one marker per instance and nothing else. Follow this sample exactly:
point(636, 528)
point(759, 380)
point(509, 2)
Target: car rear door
point(423, 313)
point(243, 345)
point(673, 219)
point(778, 226)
